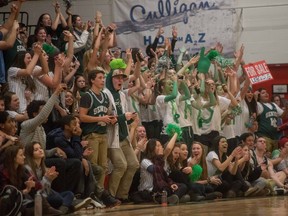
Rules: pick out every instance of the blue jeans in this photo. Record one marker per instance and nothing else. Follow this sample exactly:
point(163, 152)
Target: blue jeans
point(56, 199)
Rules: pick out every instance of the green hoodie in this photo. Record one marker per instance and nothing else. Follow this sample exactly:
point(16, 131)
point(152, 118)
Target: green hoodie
point(123, 132)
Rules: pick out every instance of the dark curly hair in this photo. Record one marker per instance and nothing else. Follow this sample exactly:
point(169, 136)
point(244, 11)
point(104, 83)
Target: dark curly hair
point(34, 107)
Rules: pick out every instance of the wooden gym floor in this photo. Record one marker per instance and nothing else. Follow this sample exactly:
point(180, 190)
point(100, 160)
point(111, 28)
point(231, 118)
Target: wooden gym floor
point(274, 205)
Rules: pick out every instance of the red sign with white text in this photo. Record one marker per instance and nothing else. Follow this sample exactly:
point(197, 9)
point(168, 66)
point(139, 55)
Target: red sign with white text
point(258, 72)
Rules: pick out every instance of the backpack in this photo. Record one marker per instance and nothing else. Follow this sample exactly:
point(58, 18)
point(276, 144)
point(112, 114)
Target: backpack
point(11, 201)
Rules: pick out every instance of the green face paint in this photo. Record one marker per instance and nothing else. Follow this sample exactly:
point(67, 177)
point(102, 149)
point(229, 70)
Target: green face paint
point(168, 87)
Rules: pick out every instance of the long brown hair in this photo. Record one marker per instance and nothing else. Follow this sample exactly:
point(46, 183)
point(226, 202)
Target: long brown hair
point(29, 150)
point(149, 152)
point(202, 162)
point(15, 175)
point(173, 166)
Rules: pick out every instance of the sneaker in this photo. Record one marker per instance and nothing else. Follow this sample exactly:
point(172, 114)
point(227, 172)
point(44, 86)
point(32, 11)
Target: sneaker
point(48, 209)
point(240, 194)
point(279, 191)
point(51, 211)
point(63, 209)
point(213, 195)
point(197, 198)
point(109, 200)
point(173, 199)
point(81, 203)
point(263, 192)
point(96, 202)
point(156, 198)
point(250, 191)
point(185, 198)
point(230, 194)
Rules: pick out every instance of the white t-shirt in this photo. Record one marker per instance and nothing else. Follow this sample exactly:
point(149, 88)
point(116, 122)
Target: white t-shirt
point(209, 159)
point(146, 178)
point(133, 104)
point(215, 123)
point(164, 110)
point(184, 122)
point(240, 120)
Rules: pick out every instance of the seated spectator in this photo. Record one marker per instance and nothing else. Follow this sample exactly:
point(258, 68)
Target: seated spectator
point(34, 156)
point(282, 154)
point(33, 131)
point(258, 158)
point(153, 177)
point(196, 168)
point(218, 163)
point(13, 172)
point(67, 138)
point(251, 174)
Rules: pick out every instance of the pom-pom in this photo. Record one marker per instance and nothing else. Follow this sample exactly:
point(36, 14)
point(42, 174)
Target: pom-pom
point(196, 173)
point(171, 129)
point(50, 50)
point(224, 62)
point(212, 55)
point(117, 64)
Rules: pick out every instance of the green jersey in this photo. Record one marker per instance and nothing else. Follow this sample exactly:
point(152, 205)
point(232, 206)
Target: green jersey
point(97, 105)
point(268, 122)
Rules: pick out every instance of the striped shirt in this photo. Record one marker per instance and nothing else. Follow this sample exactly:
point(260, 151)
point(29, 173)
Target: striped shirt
point(146, 178)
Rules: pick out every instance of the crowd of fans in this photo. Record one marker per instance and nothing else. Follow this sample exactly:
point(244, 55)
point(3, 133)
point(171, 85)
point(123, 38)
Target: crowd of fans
point(84, 124)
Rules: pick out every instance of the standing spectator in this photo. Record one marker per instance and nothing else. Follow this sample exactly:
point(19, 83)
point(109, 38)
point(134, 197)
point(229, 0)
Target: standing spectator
point(268, 113)
point(20, 76)
point(18, 46)
point(53, 29)
point(9, 27)
point(120, 151)
point(94, 116)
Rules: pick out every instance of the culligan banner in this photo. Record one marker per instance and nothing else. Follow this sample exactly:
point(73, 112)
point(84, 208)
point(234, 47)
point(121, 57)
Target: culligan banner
point(199, 23)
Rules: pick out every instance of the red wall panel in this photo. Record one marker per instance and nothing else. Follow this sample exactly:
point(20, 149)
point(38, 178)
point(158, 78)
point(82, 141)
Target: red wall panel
point(280, 76)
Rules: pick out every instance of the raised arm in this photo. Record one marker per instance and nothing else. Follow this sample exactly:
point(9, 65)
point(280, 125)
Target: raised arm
point(223, 165)
point(11, 37)
point(174, 92)
point(192, 61)
point(129, 62)
point(29, 69)
point(14, 11)
point(69, 51)
point(170, 145)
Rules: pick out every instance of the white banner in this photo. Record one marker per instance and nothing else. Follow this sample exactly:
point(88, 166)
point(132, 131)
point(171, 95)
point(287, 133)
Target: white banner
point(199, 23)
